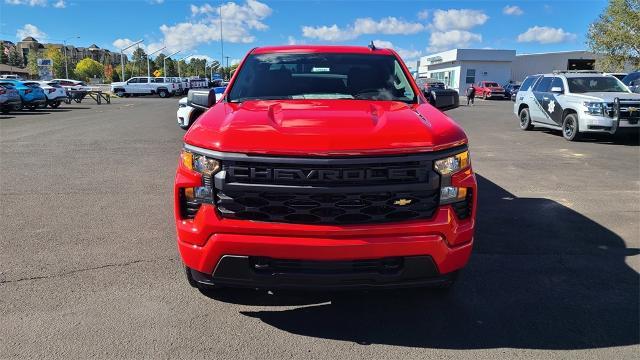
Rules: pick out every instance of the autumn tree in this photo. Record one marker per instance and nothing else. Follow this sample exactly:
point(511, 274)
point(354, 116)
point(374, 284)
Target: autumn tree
point(57, 60)
point(616, 35)
point(32, 63)
point(88, 68)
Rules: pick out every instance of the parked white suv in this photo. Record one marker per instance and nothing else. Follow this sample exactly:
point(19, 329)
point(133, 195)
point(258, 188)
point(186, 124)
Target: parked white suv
point(54, 92)
point(577, 102)
point(143, 85)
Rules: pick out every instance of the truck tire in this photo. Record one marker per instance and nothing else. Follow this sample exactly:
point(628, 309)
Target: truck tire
point(570, 127)
point(525, 119)
point(119, 92)
point(163, 93)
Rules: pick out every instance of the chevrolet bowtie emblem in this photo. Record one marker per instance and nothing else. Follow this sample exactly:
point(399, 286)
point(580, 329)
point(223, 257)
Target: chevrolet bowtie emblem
point(402, 202)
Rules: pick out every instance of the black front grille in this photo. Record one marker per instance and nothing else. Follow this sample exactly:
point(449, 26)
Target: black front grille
point(326, 191)
point(327, 208)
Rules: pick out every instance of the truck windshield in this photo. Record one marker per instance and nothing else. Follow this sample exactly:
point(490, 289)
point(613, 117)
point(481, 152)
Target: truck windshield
point(595, 84)
point(321, 76)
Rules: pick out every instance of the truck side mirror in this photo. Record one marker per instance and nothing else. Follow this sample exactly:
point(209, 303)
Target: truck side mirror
point(202, 98)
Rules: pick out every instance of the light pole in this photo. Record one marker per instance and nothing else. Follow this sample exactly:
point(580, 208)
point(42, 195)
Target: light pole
point(179, 75)
point(66, 66)
point(221, 41)
point(122, 57)
point(164, 63)
point(148, 56)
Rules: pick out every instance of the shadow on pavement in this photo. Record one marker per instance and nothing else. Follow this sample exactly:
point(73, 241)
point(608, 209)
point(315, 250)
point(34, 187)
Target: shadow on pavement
point(542, 277)
point(630, 138)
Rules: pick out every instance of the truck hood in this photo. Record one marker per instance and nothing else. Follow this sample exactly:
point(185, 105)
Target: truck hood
point(119, 83)
point(607, 96)
point(324, 128)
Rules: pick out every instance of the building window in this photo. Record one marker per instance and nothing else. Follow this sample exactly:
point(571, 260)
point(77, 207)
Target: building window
point(471, 76)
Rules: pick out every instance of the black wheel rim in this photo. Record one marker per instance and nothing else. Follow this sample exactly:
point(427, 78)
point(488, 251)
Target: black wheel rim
point(569, 128)
point(523, 119)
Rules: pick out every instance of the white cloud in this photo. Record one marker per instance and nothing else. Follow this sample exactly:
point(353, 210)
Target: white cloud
point(546, 35)
point(123, 43)
point(208, 58)
point(238, 22)
point(458, 19)
point(362, 26)
point(423, 15)
point(512, 10)
point(406, 54)
point(292, 40)
point(446, 40)
point(31, 30)
point(156, 2)
point(27, 2)
point(60, 4)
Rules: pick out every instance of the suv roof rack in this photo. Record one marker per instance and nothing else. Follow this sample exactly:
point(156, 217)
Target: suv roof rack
point(577, 72)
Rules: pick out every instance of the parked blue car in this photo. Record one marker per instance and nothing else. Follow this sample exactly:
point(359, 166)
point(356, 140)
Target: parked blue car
point(30, 92)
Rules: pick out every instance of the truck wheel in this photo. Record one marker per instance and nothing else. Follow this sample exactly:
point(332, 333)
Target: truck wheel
point(525, 119)
point(163, 93)
point(570, 128)
point(119, 93)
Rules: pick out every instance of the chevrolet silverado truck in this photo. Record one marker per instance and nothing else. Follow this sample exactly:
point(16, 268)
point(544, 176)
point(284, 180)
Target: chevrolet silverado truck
point(489, 90)
point(323, 167)
point(142, 85)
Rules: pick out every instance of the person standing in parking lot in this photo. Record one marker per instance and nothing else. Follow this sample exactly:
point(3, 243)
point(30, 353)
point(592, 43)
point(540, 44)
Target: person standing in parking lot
point(471, 94)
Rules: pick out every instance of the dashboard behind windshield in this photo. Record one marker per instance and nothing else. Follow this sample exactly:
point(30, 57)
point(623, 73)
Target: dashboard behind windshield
point(595, 84)
point(321, 76)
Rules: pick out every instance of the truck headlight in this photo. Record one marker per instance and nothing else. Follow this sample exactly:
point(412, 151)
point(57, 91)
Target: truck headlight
point(446, 168)
point(200, 163)
point(205, 166)
point(452, 164)
point(594, 108)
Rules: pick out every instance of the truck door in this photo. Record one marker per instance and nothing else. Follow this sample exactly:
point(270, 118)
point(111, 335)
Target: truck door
point(143, 86)
point(541, 102)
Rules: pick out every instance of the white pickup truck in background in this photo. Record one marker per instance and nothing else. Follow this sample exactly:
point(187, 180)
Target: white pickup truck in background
point(142, 85)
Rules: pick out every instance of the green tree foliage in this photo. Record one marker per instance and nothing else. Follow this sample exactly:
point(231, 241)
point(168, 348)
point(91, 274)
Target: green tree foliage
point(4, 58)
point(32, 63)
point(88, 68)
point(15, 58)
point(57, 59)
point(616, 35)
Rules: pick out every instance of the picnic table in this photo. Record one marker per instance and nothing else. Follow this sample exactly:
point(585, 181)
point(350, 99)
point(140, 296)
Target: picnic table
point(97, 95)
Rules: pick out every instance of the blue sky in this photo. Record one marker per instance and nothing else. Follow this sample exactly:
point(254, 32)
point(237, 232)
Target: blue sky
point(414, 28)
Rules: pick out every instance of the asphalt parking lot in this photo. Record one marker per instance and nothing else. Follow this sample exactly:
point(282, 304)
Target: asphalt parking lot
point(89, 266)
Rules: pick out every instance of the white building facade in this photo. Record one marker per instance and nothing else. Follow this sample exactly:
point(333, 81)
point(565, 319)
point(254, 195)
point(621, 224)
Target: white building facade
point(459, 67)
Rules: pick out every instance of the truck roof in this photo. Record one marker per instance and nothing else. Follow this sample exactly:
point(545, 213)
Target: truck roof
point(321, 49)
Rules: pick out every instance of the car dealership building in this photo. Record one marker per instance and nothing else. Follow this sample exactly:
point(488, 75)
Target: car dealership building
point(458, 68)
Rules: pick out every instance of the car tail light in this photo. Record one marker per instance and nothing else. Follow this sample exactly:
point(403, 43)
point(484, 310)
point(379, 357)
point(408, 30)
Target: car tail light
point(2, 91)
point(27, 91)
point(51, 90)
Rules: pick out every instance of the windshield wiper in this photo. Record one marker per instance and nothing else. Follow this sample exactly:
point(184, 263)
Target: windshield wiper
point(242, 99)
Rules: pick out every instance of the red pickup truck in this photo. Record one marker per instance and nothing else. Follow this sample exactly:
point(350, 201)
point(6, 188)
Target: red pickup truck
point(323, 167)
point(489, 89)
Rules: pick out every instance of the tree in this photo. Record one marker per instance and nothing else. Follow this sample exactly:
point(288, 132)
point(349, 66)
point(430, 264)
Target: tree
point(4, 58)
point(616, 35)
point(32, 63)
point(88, 68)
point(15, 58)
point(57, 60)
point(108, 72)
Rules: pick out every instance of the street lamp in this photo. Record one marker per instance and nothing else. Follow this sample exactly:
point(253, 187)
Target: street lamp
point(179, 75)
point(164, 62)
point(66, 66)
point(148, 56)
point(122, 57)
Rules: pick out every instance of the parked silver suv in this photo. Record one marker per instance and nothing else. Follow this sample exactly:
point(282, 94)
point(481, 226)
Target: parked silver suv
point(577, 102)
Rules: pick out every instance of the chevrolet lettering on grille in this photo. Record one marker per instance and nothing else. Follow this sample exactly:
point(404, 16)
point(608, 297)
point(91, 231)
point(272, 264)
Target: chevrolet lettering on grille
point(251, 174)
